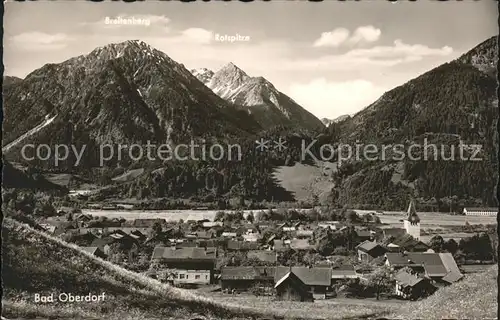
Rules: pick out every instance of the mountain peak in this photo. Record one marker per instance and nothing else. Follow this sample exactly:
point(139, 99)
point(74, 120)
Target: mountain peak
point(231, 68)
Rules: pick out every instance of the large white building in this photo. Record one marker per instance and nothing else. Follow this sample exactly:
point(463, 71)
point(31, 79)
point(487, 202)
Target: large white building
point(480, 211)
point(412, 222)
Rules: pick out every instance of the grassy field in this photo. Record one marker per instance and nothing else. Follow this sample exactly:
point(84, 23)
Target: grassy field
point(303, 181)
point(336, 308)
point(473, 298)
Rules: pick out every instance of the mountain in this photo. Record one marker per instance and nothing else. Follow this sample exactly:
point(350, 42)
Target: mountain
point(124, 93)
point(203, 74)
point(13, 177)
point(328, 122)
point(453, 104)
point(8, 80)
point(259, 97)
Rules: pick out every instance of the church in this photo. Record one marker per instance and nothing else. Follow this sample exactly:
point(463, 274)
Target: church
point(412, 222)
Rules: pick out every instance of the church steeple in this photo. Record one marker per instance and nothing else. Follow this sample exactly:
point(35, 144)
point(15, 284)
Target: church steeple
point(412, 217)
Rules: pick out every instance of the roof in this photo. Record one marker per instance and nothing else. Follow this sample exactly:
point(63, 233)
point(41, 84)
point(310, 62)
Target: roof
point(412, 213)
point(229, 234)
point(305, 233)
point(279, 245)
point(406, 279)
point(301, 244)
point(363, 233)
point(294, 280)
point(204, 234)
point(407, 241)
point(199, 254)
point(242, 245)
point(91, 250)
point(452, 277)
point(263, 255)
point(344, 271)
point(310, 276)
point(454, 274)
point(432, 262)
point(367, 246)
point(247, 273)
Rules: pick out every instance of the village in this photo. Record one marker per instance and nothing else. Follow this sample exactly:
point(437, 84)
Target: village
point(286, 255)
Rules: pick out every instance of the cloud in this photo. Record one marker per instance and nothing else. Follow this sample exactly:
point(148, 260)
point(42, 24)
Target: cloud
point(40, 41)
point(340, 36)
point(331, 99)
point(378, 57)
point(366, 34)
point(400, 50)
point(198, 35)
point(333, 38)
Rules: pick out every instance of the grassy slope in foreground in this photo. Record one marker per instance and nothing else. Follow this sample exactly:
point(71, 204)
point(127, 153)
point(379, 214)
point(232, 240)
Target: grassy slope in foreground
point(473, 298)
point(34, 262)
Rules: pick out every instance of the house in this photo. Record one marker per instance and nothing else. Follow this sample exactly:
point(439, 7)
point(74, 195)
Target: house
point(233, 245)
point(230, 235)
point(287, 227)
point(412, 286)
point(317, 280)
point(480, 212)
point(370, 250)
point(343, 272)
point(205, 235)
point(440, 267)
point(333, 225)
point(364, 235)
point(262, 255)
point(304, 234)
point(253, 237)
point(279, 245)
point(244, 278)
point(186, 265)
point(301, 244)
point(95, 251)
point(407, 243)
point(412, 222)
point(123, 241)
point(290, 287)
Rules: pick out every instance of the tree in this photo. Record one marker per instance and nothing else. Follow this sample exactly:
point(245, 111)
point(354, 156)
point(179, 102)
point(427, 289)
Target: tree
point(219, 216)
point(437, 243)
point(381, 280)
point(451, 246)
point(250, 217)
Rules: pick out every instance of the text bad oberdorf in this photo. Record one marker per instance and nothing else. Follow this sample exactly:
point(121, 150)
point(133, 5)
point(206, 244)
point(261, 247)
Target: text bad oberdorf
point(69, 297)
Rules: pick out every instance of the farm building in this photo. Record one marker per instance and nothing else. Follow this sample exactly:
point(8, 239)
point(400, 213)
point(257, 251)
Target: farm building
point(440, 267)
point(95, 251)
point(480, 211)
point(318, 280)
point(412, 286)
point(186, 265)
point(244, 278)
point(370, 250)
point(290, 287)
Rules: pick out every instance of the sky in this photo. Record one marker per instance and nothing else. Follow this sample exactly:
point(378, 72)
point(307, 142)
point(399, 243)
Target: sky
point(333, 58)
